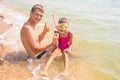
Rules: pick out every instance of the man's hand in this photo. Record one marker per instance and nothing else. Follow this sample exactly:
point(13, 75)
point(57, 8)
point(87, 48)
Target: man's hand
point(55, 38)
point(46, 28)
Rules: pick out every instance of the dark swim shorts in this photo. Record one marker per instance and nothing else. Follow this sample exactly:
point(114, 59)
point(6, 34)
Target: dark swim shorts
point(45, 52)
point(41, 54)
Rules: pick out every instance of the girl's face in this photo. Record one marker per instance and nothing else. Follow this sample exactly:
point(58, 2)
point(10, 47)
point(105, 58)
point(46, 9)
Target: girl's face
point(62, 28)
point(61, 31)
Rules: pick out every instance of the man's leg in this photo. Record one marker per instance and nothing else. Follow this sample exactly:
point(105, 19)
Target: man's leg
point(46, 52)
point(41, 54)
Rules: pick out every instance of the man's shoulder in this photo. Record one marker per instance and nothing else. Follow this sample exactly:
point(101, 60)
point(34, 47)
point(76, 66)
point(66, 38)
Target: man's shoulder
point(26, 26)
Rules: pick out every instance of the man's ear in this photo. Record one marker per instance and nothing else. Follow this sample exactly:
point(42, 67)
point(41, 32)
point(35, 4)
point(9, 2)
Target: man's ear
point(31, 13)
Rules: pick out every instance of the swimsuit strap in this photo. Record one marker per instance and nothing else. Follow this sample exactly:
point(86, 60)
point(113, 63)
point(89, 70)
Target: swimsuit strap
point(69, 33)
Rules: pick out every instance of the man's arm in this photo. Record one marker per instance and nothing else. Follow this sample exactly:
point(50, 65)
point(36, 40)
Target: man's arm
point(33, 42)
point(46, 29)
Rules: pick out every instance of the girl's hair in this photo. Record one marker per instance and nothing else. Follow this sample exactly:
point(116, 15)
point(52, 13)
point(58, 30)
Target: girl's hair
point(63, 20)
point(37, 6)
point(63, 23)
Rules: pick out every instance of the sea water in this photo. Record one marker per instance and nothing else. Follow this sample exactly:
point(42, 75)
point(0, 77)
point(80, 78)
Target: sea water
point(95, 25)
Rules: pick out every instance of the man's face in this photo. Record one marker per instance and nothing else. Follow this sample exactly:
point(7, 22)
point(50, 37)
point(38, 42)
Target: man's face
point(36, 15)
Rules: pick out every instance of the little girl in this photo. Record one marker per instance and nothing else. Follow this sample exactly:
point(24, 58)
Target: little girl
point(64, 45)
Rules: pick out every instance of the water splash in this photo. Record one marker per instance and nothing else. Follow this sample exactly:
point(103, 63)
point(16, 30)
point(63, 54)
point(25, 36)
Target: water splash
point(59, 77)
point(35, 69)
point(39, 78)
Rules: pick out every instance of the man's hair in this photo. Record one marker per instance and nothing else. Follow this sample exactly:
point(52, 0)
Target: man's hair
point(37, 6)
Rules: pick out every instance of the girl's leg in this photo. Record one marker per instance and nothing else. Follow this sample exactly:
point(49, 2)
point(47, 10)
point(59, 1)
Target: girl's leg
point(66, 60)
point(50, 60)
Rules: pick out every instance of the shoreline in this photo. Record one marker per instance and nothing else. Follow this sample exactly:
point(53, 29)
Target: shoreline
point(10, 25)
point(3, 28)
point(12, 53)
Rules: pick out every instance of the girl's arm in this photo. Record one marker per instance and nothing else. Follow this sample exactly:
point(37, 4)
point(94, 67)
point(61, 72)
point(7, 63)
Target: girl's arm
point(71, 40)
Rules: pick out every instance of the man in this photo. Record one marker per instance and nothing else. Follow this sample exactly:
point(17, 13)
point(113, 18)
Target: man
point(28, 34)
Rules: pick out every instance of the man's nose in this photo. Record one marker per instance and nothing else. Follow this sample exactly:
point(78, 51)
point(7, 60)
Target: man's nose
point(39, 16)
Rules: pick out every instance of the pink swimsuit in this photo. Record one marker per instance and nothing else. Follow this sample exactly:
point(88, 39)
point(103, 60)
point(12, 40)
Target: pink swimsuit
point(64, 42)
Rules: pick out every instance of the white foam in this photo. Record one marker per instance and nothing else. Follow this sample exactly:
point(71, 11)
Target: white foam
point(35, 71)
point(59, 77)
point(7, 21)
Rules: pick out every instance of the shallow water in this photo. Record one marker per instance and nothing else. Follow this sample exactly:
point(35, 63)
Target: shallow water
point(96, 45)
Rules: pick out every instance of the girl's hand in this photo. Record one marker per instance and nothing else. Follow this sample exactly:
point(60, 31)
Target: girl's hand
point(68, 51)
point(53, 15)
